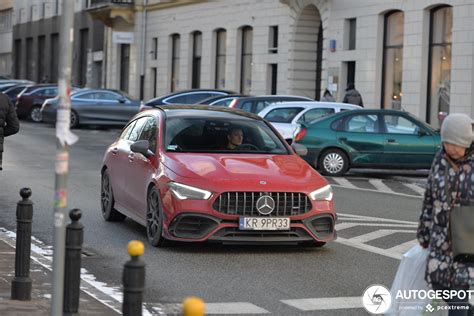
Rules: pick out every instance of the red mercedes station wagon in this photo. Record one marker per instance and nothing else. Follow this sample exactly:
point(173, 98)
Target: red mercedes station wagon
point(197, 173)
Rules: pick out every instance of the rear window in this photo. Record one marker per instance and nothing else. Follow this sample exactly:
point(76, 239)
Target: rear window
point(190, 134)
point(282, 115)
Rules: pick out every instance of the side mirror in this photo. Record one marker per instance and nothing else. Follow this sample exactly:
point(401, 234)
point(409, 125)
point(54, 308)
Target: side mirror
point(142, 147)
point(422, 132)
point(299, 149)
point(122, 100)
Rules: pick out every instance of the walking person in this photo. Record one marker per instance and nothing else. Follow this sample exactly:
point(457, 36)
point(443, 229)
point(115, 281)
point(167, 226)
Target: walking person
point(450, 186)
point(352, 96)
point(9, 123)
point(327, 96)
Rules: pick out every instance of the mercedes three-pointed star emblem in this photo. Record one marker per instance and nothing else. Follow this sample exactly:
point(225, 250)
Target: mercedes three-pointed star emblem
point(265, 204)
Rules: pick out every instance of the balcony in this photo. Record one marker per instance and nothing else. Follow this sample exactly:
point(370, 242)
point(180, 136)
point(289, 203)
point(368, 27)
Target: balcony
point(109, 11)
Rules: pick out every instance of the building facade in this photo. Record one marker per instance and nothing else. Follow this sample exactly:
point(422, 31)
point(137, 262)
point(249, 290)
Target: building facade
point(6, 33)
point(36, 43)
point(402, 54)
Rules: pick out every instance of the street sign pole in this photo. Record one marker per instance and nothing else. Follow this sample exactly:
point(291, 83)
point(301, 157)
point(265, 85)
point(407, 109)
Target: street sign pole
point(64, 139)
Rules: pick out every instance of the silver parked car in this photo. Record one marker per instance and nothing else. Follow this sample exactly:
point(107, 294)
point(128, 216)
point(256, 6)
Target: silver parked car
point(286, 117)
point(95, 107)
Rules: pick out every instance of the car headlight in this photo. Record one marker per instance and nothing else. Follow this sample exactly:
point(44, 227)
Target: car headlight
point(185, 192)
point(323, 194)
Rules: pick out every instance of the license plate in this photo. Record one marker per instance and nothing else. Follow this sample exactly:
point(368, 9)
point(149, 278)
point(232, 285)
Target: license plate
point(264, 223)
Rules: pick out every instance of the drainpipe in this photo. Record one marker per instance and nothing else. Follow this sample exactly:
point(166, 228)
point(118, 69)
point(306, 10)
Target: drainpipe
point(143, 49)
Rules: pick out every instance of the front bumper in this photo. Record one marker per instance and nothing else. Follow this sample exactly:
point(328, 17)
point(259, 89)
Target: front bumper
point(197, 221)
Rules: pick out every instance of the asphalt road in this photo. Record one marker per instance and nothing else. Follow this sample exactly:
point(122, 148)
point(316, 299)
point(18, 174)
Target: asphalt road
point(255, 279)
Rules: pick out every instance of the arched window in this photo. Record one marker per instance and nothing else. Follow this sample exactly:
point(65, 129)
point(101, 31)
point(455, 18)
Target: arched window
point(221, 51)
point(392, 60)
point(196, 66)
point(439, 75)
point(175, 47)
point(246, 60)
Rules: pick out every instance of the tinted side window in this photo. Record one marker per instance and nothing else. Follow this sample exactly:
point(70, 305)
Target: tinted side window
point(137, 129)
point(247, 106)
point(189, 98)
point(261, 105)
point(314, 114)
point(397, 124)
point(223, 102)
point(282, 115)
point(361, 124)
point(149, 133)
point(88, 96)
point(126, 131)
point(108, 96)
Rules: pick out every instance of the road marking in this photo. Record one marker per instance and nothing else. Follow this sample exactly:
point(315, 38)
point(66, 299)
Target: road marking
point(372, 190)
point(402, 248)
point(232, 308)
point(378, 234)
point(344, 182)
point(342, 226)
point(375, 225)
point(379, 251)
point(374, 219)
point(325, 303)
point(380, 186)
point(415, 188)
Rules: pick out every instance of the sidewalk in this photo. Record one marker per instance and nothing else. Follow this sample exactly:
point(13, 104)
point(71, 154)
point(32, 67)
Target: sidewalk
point(41, 289)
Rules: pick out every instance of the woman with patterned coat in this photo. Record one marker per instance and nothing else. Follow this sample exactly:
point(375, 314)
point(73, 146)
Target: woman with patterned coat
point(456, 159)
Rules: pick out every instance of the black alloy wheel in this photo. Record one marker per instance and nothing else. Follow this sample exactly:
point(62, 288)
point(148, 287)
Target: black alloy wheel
point(36, 115)
point(107, 201)
point(74, 119)
point(154, 219)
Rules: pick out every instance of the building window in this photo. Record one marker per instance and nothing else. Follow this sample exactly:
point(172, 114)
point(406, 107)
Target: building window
point(272, 83)
point(43, 11)
point(351, 70)
point(221, 51)
point(41, 55)
point(154, 50)
point(54, 56)
point(392, 68)
point(439, 76)
point(29, 58)
point(246, 60)
point(84, 48)
point(56, 11)
point(196, 65)
point(350, 27)
point(124, 66)
point(273, 40)
point(32, 12)
point(154, 78)
point(18, 62)
point(175, 47)
point(6, 21)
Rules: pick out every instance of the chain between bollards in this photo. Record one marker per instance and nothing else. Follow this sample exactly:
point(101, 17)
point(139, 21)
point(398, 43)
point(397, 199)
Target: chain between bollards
point(72, 268)
point(21, 283)
point(133, 280)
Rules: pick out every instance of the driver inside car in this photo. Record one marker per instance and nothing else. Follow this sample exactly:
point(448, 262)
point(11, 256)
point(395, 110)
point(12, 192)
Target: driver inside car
point(235, 137)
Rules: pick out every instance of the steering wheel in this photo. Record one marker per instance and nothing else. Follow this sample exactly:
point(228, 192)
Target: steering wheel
point(247, 146)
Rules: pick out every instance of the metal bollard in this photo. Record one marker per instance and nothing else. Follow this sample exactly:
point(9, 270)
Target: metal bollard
point(193, 306)
point(21, 283)
point(72, 269)
point(133, 280)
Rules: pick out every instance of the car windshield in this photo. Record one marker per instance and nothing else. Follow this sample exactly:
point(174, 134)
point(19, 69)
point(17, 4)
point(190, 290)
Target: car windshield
point(191, 134)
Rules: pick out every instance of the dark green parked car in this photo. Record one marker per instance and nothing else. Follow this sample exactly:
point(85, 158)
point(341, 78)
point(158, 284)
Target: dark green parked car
point(369, 139)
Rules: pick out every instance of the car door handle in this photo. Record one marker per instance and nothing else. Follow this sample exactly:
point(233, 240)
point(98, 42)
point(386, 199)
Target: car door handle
point(114, 151)
point(342, 139)
point(391, 140)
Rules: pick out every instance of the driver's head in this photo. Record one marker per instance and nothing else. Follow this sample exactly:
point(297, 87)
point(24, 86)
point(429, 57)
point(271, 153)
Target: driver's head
point(235, 137)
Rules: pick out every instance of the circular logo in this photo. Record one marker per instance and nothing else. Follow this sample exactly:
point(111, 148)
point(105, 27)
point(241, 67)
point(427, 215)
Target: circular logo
point(377, 299)
point(265, 204)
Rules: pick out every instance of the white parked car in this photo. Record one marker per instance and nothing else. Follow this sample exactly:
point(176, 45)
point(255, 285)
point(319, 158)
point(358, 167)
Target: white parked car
point(287, 116)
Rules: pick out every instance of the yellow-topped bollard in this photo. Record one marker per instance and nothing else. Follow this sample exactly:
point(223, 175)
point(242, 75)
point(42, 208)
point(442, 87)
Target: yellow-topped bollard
point(193, 306)
point(133, 280)
point(135, 248)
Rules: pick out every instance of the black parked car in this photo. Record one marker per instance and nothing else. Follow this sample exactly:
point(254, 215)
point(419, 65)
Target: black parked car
point(258, 103)
point(185, 97)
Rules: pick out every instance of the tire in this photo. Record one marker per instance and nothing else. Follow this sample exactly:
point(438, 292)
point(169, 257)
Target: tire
point(333, 162)
point(35, 114)
point(107, 201)
point(74, 119)
point(154, 219)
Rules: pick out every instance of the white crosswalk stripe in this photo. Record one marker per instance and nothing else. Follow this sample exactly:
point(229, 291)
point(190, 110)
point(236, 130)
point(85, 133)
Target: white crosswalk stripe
point(380, 186)
point(415, 188)
point(344, 182)
point(325, 303)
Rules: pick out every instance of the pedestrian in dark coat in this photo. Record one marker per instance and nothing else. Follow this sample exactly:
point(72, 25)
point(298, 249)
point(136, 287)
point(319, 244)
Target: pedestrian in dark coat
point(352, 96)
point(456, 159)
point(9, 124)
point(327, 96)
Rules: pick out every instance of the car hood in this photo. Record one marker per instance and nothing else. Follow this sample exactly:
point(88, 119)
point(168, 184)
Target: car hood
point(277, 172)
